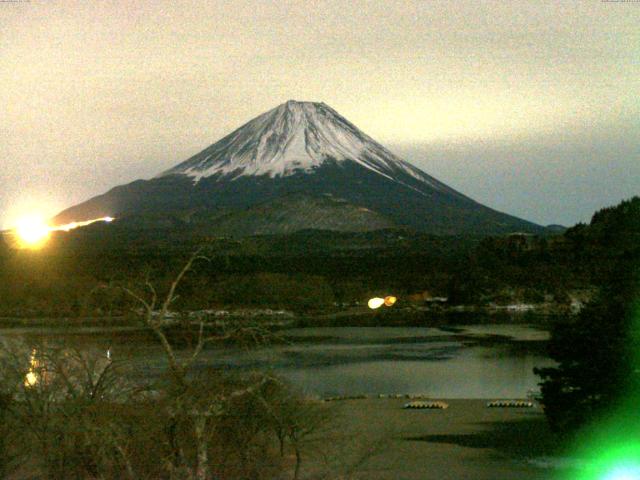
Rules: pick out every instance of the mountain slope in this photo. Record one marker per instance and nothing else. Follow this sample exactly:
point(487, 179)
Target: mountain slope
point(303, 148)
point(295, 137)
point(296, 212)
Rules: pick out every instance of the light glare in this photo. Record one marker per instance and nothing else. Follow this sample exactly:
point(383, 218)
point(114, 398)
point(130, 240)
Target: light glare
point(390, 301)
point(31, 378)
point(375, 302)
point(624, 473)
point(32, 231)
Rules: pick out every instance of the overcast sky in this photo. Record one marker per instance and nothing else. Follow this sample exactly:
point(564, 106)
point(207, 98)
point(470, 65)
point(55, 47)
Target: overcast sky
point(530, 107)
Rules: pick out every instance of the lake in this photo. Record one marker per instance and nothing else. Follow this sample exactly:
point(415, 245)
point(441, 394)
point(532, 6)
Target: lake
point(465, 361)
point(470, 363)
point(475, 361)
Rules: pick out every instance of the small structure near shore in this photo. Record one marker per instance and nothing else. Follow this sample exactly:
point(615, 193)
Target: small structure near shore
point(419, 404)
point(510, 404)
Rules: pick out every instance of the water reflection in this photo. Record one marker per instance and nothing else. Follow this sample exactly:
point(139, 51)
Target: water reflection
point(470, 362)
point(475, 361)
point(31, 378)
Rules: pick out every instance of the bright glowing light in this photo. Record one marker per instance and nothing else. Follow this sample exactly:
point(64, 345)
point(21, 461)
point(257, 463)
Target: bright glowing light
point(610, 458)
point(70, 226)
point(624, 473)
point(31, 378)
point(32, 232)
point(375, 303)
point(390, 300)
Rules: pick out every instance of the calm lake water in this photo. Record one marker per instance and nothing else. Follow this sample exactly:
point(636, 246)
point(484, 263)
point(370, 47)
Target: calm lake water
point(474, 362)
point(468, 361)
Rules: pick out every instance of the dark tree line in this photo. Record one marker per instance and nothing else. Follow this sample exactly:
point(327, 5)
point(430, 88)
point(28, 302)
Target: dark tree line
point(597, 352)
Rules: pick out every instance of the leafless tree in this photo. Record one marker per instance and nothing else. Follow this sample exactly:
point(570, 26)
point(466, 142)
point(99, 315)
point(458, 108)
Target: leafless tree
point(56, 395)
point(187, 402)
point(67, 405)
point(297, 421)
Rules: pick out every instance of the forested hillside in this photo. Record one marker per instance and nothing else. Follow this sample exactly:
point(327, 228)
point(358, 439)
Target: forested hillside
point(315, 270)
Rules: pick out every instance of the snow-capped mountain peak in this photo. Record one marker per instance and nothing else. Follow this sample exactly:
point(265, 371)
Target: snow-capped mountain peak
point(298, 166)
point(294, 137)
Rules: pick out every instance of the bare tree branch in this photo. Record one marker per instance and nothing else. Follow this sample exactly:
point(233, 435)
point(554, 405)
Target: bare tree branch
point(172, 290)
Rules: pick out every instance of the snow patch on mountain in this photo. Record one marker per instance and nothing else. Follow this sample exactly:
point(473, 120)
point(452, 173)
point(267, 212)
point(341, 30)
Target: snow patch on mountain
point(296, 137)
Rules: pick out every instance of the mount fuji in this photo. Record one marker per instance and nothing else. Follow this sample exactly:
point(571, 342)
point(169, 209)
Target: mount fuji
point(298, 166)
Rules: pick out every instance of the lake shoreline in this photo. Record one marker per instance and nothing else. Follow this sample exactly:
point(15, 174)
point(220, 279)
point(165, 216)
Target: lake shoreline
point(353, 317)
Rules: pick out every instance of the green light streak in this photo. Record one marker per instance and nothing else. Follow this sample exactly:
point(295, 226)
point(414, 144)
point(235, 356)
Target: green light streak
point(611, 447)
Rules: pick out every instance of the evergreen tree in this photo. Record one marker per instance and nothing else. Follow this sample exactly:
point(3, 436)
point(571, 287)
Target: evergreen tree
point(596, 351)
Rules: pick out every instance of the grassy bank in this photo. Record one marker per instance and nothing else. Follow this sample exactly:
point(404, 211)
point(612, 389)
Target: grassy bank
point(465, 441)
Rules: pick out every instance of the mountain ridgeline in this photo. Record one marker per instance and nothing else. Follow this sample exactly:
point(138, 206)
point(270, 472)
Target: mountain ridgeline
point(298, 166)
